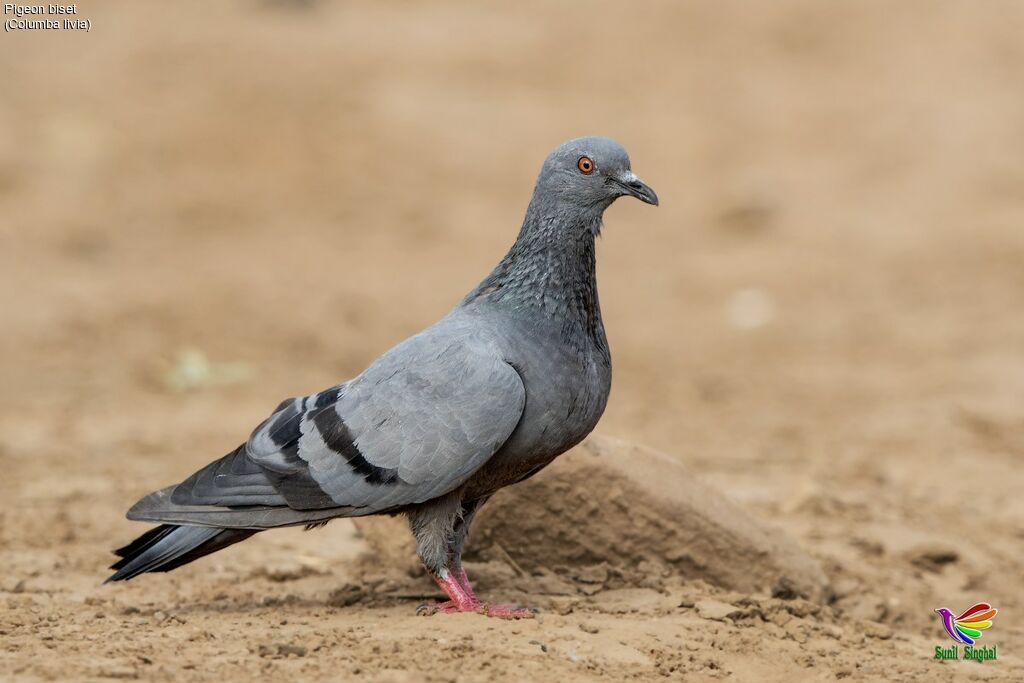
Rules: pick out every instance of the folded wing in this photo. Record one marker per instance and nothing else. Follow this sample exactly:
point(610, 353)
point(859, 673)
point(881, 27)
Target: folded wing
point(414, 426)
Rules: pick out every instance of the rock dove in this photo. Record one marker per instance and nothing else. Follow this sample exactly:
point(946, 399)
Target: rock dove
point(516, 374)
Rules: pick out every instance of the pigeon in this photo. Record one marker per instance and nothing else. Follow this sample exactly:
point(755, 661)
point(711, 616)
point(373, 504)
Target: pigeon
point(516, 374)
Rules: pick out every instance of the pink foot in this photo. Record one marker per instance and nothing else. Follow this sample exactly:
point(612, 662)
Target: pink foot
point(456, 586)
point(461, 599)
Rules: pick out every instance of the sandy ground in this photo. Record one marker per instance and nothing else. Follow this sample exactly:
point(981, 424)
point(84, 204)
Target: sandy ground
point(207, 207)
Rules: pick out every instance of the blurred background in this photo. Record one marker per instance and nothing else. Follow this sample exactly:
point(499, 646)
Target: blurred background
point(208, 207)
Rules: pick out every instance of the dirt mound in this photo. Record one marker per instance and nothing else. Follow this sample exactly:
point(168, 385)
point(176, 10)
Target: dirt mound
point(613, 514)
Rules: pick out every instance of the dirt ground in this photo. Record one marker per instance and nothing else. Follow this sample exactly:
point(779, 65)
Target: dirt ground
point(208, 207)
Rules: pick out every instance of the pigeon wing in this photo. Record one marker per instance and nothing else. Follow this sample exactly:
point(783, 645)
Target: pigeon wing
point(414, 426)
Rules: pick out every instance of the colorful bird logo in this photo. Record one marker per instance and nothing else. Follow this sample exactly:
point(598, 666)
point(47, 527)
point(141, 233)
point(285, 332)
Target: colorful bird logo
point(969, 625)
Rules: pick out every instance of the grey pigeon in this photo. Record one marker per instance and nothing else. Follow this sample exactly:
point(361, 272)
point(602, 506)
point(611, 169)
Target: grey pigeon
point(516, 374)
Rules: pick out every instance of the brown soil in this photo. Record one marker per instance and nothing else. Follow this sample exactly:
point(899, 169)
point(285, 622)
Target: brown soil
point(208, 207)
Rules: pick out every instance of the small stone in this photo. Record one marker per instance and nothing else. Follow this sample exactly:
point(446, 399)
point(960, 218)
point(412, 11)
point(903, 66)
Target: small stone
point(832, 631)
point(785, 589)
point(347, 595)
point(873, 629)
point(287, 650)
point(715, 609)
point(593, 574)
point(116, 671)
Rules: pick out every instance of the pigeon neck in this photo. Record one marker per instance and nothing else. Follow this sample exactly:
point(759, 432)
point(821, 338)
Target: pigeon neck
point(550, 270)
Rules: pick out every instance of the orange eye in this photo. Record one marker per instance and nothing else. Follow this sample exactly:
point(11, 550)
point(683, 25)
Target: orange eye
point(585, 165)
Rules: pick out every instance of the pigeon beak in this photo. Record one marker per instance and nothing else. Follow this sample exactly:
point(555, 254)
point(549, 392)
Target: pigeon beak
point(629, 184)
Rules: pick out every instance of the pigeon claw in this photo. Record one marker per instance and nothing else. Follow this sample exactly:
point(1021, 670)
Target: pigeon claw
point(448, 607)
point(456, 586)
point(488, 610)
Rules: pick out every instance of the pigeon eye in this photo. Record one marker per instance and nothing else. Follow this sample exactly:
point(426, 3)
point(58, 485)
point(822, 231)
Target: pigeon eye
point(585, 165)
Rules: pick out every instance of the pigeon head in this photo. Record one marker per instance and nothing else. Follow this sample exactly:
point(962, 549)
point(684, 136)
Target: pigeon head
point(589, 174)
point(551, 265)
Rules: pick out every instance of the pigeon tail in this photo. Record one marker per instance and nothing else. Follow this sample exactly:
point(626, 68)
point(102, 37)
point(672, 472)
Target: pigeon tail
point(169, 546)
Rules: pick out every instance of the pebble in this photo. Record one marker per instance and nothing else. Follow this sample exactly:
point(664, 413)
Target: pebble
point(715, 609)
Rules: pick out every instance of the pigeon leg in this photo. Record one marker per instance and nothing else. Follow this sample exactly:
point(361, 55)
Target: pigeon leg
point(459, 599)
point(460, 532)
point(459, 574)
point(434, 526)
point(455, 584)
